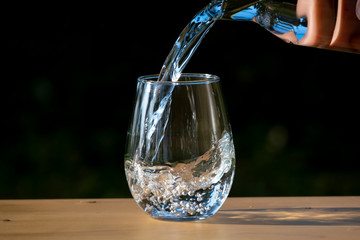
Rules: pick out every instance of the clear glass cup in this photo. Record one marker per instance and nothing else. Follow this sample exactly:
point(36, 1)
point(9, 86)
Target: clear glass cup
point(180, 158)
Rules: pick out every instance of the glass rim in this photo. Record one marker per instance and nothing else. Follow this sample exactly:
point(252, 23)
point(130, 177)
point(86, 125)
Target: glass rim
point(203, 78)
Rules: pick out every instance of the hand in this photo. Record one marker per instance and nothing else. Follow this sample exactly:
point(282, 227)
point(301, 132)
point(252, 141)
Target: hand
point(358, 9)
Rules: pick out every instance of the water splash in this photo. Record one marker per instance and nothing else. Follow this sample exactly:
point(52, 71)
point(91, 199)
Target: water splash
point(189, 188)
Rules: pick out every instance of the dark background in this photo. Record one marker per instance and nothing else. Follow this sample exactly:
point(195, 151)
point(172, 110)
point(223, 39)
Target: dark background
point(69, 78)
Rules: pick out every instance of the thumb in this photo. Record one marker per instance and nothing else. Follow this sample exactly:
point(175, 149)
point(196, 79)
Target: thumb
point(358, 9)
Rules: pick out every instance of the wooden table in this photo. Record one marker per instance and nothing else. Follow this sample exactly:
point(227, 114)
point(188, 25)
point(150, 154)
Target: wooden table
point(303, 218)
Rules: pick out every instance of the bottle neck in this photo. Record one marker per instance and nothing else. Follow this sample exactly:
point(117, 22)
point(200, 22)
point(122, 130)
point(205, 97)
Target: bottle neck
point(239, 10)
point(329, 24)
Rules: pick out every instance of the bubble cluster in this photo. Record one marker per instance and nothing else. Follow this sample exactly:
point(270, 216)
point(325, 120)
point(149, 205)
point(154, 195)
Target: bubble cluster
point(185, 190)
point(191, 203)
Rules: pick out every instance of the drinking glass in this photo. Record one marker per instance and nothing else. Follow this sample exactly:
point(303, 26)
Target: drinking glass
point(180, 159)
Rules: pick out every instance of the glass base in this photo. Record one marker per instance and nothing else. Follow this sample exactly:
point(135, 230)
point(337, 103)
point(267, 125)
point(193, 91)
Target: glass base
point(181, 219)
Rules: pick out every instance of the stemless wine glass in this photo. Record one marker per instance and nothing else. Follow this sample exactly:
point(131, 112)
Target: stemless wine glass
point(180, 158)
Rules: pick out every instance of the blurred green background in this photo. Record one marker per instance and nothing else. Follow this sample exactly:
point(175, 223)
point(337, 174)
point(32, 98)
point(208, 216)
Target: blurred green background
point(68, 86)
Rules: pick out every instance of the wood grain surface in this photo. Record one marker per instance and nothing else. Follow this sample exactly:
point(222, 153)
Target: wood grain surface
point(240, 218)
